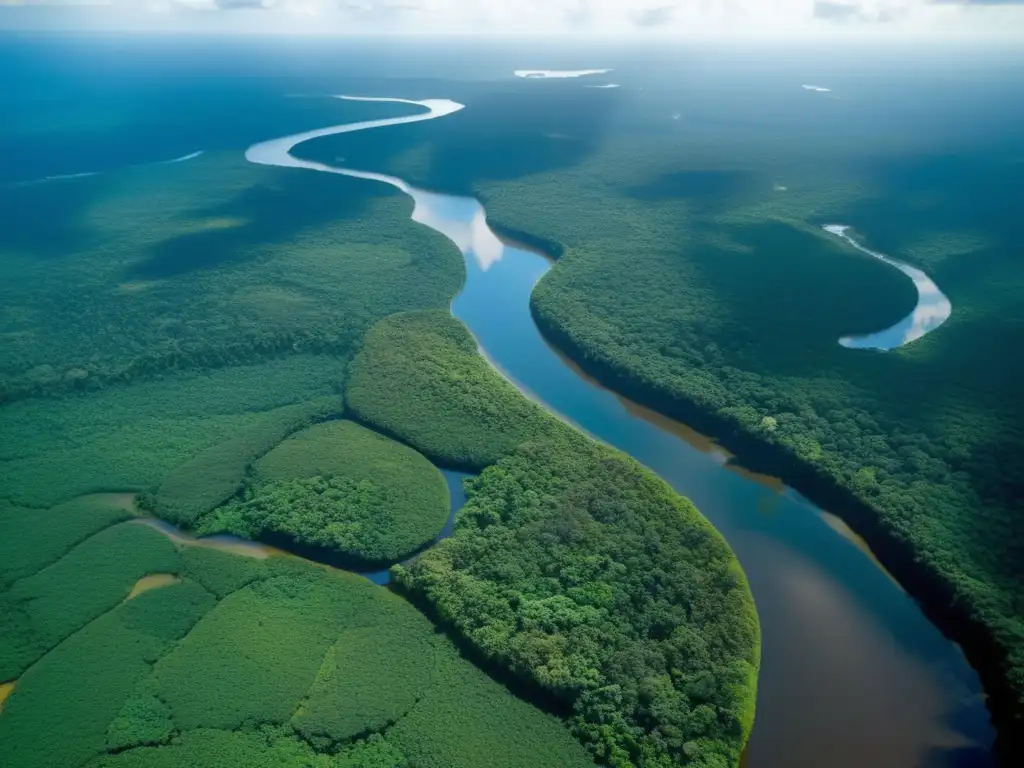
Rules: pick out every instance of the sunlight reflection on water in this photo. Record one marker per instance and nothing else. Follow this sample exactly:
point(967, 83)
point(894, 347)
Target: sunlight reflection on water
point(932, 310)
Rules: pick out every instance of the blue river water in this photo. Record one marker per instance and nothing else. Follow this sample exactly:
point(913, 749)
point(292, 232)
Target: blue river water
point(933, 308)
point(852, 674)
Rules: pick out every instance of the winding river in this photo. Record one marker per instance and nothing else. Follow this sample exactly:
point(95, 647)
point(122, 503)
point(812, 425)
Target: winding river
point(931, 311)
point(853, 674)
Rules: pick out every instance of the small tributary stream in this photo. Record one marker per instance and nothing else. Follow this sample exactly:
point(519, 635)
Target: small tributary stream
point(261, 550)
point(852, 674)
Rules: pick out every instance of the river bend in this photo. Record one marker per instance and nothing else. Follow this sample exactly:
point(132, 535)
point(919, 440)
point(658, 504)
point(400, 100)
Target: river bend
point(931, 311)
point(852, 672)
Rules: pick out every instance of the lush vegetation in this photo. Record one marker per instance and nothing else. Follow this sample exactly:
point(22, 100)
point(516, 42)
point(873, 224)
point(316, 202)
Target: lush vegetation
point(219, 572)
point(266, 748)
point(919, 445)
point(31, 539)
point(585, 574)
point(340, 486)
point(213, 476)
point(466, 720)
point(43, 609)
point(358, 690)
point(419, 376)
point(704, 287)
point(200, 265)
point(78, 690)
point(571, 566)
point(259, 650)
point(275, 662)
point(133, 436)
point(165, 330)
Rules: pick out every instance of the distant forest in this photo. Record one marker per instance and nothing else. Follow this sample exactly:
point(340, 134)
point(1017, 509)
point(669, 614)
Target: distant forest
point(693, 276)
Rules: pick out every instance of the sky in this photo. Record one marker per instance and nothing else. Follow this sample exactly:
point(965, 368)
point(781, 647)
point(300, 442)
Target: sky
point(812, 18)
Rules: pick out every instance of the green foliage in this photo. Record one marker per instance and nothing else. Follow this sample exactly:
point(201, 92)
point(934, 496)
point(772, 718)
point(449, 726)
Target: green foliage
point(338, 657)
point(589, 576)
point(370, 678)
point(214, 475)
point(339, 485)
point(31, 539)
point(131, 437)
point(260, 279)
point(550, 571)
point(251, 659)
point(289, 643)
point(203, 264)
point(466, 720)
point(220, 572)
point(41, 610)
point(726, 313)
point(267, 748)
point(373, 752)
point(60, 712)
point(419, 376)
point(143, 720)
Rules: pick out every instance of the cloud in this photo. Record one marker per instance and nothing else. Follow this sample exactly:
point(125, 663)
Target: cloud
point(835, 11)
point(698, 17)
point(654, 17)
point(228, 5)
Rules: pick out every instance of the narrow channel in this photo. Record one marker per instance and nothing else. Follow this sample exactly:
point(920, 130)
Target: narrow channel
point(261, 550)
point(852, 674)
point(933, 308)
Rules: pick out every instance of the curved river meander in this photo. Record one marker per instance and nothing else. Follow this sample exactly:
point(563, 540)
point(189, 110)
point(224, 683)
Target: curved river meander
point(931, 311)
point(853, 674)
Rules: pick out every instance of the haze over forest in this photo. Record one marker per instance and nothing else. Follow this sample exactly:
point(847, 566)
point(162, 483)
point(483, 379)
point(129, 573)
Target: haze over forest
point(505, 384)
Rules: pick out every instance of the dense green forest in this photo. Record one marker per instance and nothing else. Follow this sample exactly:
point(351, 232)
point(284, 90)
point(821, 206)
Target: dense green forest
point(924, 442)
point(340, 486)
point(260, 662)
point(270, 353)
point(284, 662)
point(571, 566)
point(694, 277)
point(204, 264)
point(419, 376)
point(582, 572)
point(134, 436)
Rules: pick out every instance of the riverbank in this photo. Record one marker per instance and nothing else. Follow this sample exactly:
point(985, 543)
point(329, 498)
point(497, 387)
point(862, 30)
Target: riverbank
point(936, 594)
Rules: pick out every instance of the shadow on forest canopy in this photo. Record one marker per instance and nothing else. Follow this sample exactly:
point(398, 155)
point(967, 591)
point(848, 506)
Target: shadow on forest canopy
point(705, 190)
point(47, 220)
point(274, 213)
point(506, 132)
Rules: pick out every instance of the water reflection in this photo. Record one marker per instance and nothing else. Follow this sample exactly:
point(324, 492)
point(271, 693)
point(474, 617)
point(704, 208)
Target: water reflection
point(932, 310)
point(852, 674)
point(461, 219)
point(690, 436)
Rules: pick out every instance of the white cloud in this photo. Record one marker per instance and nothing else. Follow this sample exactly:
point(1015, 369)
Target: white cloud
point(554, 16)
